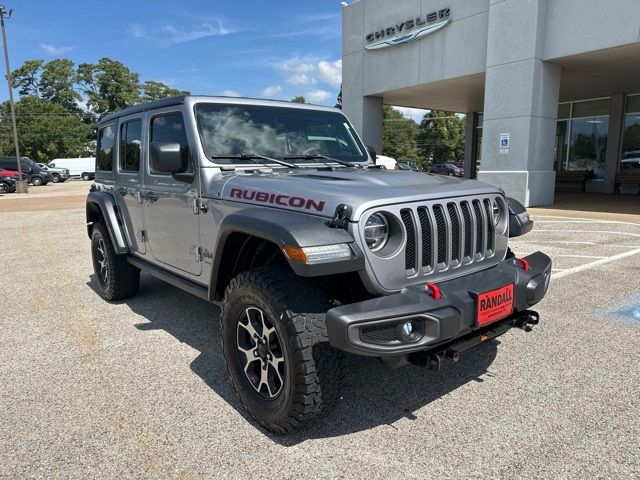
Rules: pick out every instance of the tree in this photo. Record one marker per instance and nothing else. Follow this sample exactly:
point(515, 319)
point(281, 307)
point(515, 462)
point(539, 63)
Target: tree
point(46, 130)
point(399, 136)
point(27, 78)
point(157, 90)
point(299, 99)
point(339, 99)
point(109, 85)
point(441, 137)
point(58, 83)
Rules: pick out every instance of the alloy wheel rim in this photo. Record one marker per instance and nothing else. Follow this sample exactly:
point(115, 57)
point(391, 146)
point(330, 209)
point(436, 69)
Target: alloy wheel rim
point(260, 353)
point(103, 271)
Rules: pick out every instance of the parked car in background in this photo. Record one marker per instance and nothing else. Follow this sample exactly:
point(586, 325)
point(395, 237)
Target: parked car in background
point(387, 162)
point(7, 185)
point(84, 168)
point(58, 175)
point(9, 174)
point(410, 166)
point(446, 169)
point(36, 175)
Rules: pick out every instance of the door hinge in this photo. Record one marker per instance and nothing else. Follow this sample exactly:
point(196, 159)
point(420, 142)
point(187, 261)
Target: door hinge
point(196, 206)
point(142, 236)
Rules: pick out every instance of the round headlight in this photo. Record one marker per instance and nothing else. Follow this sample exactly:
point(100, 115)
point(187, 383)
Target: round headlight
point(497, 211)
point(376, 232)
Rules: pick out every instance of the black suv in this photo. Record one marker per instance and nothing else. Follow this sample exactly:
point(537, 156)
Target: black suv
point(33, 172)
point(446, 169)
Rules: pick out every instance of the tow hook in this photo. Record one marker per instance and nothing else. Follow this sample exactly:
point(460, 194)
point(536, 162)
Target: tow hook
point(527, 320)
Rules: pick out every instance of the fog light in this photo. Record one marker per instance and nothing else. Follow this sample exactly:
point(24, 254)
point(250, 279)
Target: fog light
point(411, 331)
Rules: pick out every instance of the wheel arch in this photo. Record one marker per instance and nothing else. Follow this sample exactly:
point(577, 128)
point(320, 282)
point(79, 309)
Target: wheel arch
point(101, 207)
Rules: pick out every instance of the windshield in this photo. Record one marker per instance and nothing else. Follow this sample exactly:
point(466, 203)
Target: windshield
point(233, 130)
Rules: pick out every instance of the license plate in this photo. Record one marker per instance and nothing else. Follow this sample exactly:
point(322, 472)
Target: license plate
point(495, 305)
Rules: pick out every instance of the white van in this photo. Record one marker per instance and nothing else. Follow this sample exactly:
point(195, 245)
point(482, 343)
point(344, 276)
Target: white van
point(387, 162)
point(78, 167)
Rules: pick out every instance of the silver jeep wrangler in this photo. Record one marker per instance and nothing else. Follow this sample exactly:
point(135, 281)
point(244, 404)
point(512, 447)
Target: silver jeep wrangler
point(276, 211)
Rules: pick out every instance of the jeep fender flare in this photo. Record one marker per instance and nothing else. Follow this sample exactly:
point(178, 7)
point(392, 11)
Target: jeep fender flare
point(519, 221)
point(102, 205)
point(283, 227)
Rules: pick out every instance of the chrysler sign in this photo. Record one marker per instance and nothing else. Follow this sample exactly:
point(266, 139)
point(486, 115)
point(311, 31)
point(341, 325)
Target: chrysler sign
point(408, 30)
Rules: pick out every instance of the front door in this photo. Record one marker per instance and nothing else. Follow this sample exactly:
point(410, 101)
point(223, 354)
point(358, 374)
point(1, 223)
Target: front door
point(171, 220)
point(129, 181)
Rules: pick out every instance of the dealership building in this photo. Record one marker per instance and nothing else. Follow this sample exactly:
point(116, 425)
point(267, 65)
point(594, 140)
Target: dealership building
point(551, 88)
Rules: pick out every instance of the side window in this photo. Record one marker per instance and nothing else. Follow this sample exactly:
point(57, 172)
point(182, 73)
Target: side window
point(169, 128)
point(130, 146)
point(104, 158)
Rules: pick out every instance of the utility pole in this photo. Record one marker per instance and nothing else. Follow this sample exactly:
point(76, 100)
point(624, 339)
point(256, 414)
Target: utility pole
point(21, 185)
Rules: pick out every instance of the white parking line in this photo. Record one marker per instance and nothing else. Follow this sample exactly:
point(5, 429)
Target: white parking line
point(610, 232)
point(596, 263)
point(579, 256)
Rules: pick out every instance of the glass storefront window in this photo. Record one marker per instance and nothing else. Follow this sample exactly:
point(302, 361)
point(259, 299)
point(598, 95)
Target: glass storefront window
point(581, 135)
point(588, 144)
point(630, 152)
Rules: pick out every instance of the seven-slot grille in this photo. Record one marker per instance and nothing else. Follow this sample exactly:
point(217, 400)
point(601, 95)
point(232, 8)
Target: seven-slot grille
point(450, 234)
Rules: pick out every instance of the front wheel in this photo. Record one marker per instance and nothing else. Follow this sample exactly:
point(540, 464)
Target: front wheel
point(56, 178)
point(276, 349)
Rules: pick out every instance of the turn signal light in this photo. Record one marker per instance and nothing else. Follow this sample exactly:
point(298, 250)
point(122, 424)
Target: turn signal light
point(319, 254)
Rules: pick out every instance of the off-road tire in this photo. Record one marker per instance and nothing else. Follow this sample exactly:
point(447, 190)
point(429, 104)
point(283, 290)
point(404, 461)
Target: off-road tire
point(314, 370)
point(122, 278)
point(36, 181)
point(55, 178)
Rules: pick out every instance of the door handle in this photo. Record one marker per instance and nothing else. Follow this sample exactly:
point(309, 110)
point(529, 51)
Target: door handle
point(150, 197)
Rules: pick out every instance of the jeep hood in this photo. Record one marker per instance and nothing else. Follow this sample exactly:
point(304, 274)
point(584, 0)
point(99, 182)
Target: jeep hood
point(320, 192)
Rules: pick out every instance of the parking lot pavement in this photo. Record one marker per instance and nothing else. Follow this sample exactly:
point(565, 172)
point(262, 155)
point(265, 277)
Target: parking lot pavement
point(139, 389)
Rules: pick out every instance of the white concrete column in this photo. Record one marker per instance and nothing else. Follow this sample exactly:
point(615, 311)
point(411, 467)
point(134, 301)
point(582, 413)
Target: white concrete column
point(521, 100)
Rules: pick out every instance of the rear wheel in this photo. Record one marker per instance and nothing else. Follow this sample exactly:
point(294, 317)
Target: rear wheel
point(116, 278)
point(36, 181)
point(276, 348)
point(86, 177)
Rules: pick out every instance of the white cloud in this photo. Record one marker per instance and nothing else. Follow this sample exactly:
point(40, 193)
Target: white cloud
point(310, 71)
point(331, 72)
point(230, 93)
point(318, 96)
point(414, 113)
point(167, 35)
point(53, 50)
point(271, 91)
point(301, 79)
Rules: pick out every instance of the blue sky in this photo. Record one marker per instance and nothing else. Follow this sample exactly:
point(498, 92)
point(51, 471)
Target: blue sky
point(276, 49)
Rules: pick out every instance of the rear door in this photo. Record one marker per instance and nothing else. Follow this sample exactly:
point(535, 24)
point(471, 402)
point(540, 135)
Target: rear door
point(129, 178)
point(171, 216)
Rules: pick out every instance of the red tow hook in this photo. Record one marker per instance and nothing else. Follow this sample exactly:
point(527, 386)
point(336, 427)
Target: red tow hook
point(434, 291)
point(523, 263)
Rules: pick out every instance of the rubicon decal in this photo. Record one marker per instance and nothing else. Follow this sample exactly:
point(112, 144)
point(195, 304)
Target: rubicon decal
point(278, 199)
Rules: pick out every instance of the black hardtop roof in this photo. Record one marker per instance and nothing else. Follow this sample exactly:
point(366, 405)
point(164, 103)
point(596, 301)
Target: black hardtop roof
point(143, 107)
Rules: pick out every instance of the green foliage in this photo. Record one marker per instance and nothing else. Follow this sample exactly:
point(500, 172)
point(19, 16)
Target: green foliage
point(441, 137)
point(27, 78)
point(157, 90)
point(399, 136)
point(299, 99)
point(109, 85)
point(46, 130)
point(51, 120)
point(339, 99)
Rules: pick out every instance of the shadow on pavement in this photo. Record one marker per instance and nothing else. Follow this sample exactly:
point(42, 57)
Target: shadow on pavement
point(373, 395)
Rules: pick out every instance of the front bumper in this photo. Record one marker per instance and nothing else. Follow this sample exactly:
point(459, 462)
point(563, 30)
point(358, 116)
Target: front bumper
point(371, 328)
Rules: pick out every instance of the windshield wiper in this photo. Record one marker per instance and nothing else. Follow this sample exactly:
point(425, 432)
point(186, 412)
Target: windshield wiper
point(314, 157)
point(254, 157)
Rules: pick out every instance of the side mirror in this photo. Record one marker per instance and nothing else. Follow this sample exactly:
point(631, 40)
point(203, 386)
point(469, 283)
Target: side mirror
point(372, 153)
point(165, 157)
